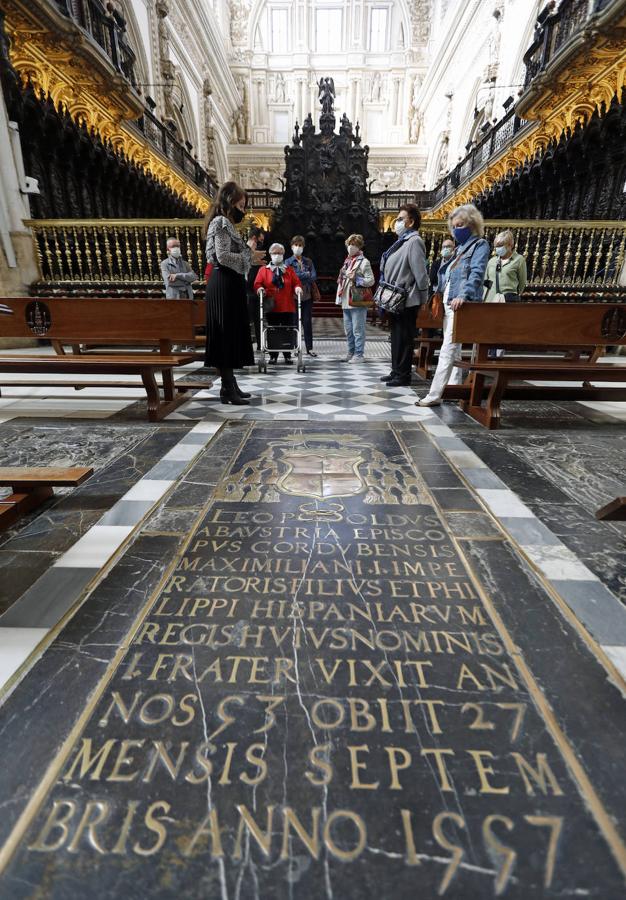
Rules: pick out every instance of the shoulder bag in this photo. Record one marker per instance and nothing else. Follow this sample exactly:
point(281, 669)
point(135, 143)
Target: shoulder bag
point(390, 297)
point(315, 292)
point(360, 296)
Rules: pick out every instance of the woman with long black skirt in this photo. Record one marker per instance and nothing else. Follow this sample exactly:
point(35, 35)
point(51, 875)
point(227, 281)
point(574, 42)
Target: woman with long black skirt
point(228, 343)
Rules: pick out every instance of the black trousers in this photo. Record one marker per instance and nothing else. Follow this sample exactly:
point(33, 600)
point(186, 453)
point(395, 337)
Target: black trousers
point(307, 323)
point(403, 331)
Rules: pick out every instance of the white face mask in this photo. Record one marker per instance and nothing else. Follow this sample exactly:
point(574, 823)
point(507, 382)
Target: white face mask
point(297, 251)
point(175, 252)
point(353, 250)
point(501, 251)
point(399, 227)
point(277, 258)
point(446, 252)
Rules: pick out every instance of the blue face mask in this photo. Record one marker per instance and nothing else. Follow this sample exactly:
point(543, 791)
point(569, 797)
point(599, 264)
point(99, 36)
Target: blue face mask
point(462, 234)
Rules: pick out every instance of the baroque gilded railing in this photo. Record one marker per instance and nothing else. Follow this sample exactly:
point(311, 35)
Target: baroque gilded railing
point(106, 30)
point(393, 200)
point(169, 145)
point(556, 31)
point(585, 258)
point(502, 134)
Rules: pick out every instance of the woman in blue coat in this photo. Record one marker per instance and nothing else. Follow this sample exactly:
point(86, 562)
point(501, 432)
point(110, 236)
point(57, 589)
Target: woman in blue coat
point(461, 280)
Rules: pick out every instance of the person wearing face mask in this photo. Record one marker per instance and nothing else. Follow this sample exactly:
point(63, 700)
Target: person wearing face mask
point(305, 270)
point(228, 343)
point(404, 265)
point(506, 275)
point(460, 280)
point(355, 278)
point(280, 283)
point(178, 275)
point(447, 249)
point(256, 241)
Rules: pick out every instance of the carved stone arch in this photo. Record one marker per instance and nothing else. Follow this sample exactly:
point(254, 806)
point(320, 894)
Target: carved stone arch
point(470, 126)
point(221, 160)
point(182, 112)
point(257, 8)
point(518, 72)
point(133, 34)
point(441, 148)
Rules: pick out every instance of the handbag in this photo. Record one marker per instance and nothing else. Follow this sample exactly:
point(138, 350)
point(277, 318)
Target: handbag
point(435, 305)
point(360, 296)
point(315, 292)
point(390, 297)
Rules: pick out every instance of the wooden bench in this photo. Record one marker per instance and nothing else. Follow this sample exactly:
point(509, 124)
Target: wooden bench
point(426, 347)
point(118, 323)
point(541, 326)
point(615, 511)
point(33, 486)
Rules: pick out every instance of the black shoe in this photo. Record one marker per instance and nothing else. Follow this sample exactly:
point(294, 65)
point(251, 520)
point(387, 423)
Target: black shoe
point(311, 353)
point(228, 394)
point(398, 382)
point(241, 393)
point(387, 377)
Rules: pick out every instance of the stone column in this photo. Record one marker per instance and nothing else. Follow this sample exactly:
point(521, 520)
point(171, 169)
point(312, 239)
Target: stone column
point(260, 114)
point(395, 115)
point(357, 103)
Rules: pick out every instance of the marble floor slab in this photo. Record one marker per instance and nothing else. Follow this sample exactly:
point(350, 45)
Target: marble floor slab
point(305, 673)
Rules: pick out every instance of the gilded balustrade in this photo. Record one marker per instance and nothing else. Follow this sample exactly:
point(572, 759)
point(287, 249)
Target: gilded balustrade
point(561, 255)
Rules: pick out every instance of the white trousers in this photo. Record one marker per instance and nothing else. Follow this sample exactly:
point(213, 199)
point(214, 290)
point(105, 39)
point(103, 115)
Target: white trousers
point(446, 372)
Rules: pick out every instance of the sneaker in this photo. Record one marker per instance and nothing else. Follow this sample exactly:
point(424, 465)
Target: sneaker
point(426, 401)
point(348, 358)
point(357, 359)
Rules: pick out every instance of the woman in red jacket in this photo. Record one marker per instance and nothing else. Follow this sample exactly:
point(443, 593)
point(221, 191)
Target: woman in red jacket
point(280, 283)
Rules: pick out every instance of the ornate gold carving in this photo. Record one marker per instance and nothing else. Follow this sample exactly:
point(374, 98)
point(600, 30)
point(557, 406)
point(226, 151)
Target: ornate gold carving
point(53, 63)
point(559, 252)
point(556, 101)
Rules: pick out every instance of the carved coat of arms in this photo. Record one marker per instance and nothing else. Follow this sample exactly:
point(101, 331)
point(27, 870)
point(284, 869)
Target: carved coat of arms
point(322, 475)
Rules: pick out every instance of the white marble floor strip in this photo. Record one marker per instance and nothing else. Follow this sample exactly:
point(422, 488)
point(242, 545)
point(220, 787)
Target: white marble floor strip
point(38, 610)
point(593, 604)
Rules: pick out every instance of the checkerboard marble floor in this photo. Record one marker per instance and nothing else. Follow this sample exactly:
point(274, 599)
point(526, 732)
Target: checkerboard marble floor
point(329, 389)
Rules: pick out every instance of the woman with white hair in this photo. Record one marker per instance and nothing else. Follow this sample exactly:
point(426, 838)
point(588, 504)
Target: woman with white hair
point(506, 275)
point(461, 280)
point(280, 283)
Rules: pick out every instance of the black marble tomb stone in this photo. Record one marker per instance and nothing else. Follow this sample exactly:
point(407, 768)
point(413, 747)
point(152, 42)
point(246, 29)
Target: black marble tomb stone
point(318, 703)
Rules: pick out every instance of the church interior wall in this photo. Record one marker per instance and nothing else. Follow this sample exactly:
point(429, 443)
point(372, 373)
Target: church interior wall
point(477, 64)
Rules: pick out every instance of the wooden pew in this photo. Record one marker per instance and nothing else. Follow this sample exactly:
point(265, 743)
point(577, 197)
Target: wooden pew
point(136, 336)
point(426, 347)
point(518, 326)
point(30, 487)
point(615, 511)
point(116, 322)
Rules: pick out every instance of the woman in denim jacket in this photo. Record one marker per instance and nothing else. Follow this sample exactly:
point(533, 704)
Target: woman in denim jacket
point(461, 280)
